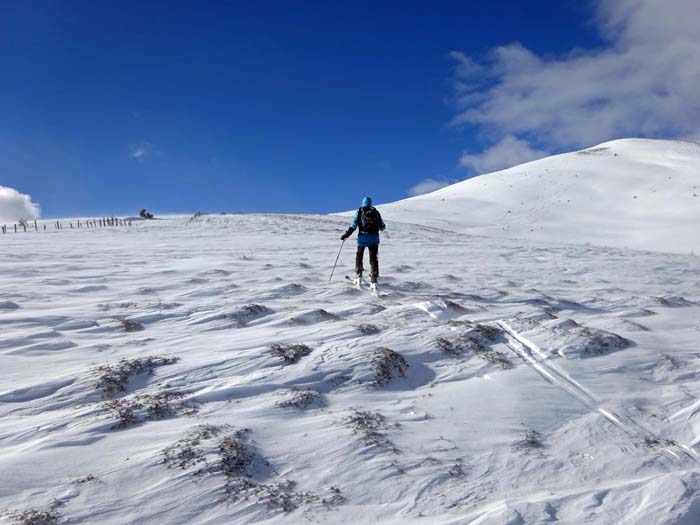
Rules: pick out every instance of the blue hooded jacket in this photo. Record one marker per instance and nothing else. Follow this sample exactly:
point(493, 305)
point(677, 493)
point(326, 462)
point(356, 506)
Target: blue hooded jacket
point(365, 239)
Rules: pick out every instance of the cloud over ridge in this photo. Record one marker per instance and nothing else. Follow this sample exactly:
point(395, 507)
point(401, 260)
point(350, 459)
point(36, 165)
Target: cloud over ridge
point(642, 84)
point(428, 186)
point(16, 206)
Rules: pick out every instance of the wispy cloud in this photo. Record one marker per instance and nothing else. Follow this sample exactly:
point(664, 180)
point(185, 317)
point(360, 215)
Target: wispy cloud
point(428, 186)
point(16, 206)
point(141, 151)
point(643, 83)
point(509, 151)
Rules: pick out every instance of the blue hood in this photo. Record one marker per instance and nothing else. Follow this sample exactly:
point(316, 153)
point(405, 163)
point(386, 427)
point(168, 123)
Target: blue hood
point(367, 201)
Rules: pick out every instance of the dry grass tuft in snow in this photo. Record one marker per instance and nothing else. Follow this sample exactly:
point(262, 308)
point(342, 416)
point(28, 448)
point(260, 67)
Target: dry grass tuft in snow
point(113, 379)
point(237, 457)
point(148, 407)
point(290, 353)
point(498, 359)
point(249, 312)
point(234, 456)
point(483, 333)
point(36, 517)
point(188, 451)
point(654, 442)
point(454, 347)
point(106, 307)
point(84, 479)
point(368, 329)
point(477, 339)
point(387, 365)
point(371, 427)
point(531, 439)
point(315, 316)
point(480, 334)
point(301, 399)
point(587, 341)
point(131, 326)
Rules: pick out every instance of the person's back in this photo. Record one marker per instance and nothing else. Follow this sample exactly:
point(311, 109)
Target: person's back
point(369, 222)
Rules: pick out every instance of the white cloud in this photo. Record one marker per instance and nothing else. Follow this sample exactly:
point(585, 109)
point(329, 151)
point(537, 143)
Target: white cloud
point(15, 206)
point(644, 82)
point(510, 151)
point(141, 151)
point(427, 186)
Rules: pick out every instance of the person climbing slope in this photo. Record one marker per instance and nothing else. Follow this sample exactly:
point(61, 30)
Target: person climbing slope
point(369, 222)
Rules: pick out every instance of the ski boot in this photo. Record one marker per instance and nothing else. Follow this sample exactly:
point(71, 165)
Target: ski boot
point(358, 280)
point(373, 284)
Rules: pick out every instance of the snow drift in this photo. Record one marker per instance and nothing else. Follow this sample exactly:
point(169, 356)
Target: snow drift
point(200, 371)
point(16, 206)
point(636, 193)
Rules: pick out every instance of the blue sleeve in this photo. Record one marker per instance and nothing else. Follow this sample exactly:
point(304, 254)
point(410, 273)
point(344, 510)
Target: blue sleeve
point(354, 220)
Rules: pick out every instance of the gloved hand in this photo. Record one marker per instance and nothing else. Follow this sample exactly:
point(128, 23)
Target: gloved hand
point(344, 236)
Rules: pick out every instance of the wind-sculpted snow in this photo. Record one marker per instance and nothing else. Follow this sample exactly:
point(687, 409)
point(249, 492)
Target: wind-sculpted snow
point(199, 370)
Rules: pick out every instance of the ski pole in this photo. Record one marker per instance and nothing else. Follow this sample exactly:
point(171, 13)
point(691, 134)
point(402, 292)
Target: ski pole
point(336, 262)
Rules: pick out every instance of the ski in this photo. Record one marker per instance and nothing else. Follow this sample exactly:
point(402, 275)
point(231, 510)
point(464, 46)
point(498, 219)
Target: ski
point(358, 283)
point(371, 289)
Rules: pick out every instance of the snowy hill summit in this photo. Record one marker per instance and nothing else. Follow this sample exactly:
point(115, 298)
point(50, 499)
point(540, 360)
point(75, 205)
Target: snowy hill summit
point(634, 193)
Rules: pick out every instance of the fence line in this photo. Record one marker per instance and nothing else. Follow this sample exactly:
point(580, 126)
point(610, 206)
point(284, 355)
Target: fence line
point(100, 222)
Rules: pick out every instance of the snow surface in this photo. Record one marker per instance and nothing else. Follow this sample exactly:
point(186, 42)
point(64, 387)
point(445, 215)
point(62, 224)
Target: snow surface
point(545, 382)
point(637, 193)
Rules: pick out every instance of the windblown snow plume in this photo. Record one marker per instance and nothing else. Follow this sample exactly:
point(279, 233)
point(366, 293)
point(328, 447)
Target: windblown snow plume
point(16, 206)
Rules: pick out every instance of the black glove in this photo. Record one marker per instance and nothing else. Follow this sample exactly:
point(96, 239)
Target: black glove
point(344, 236)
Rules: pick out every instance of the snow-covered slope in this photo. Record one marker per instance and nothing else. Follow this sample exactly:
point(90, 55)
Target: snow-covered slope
point(202, 372)
point(636, 193)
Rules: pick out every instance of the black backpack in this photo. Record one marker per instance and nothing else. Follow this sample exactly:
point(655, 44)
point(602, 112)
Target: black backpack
point(370, 220)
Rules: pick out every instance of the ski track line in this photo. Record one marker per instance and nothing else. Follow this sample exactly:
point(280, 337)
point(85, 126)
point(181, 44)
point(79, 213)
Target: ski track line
point(536, 359)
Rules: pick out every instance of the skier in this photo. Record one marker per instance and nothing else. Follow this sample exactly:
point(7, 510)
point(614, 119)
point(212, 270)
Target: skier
point(369, 221)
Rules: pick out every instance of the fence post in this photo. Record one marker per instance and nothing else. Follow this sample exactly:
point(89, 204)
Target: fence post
point(36, 228)
point(44, 227)
point(15, 228)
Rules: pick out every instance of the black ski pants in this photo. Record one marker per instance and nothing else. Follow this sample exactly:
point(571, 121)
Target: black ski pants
point(373, 259)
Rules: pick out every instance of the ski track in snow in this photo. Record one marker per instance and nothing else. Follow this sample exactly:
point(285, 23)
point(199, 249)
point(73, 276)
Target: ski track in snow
point(553, 373)
point(449, 428)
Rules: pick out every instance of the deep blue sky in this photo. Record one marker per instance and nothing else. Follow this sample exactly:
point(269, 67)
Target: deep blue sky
point(245, 106)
